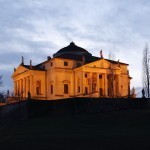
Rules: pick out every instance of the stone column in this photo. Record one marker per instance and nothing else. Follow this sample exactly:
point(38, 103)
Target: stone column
point(28, 83)
point(15, 88)
point(24, 87)
point(27, 86)
point(106, 85)
point(91, 83)
point(103, 84)
point(18, 87)
point(31, 85)
point(82, 88)
point(119, 85)
point(98, 80)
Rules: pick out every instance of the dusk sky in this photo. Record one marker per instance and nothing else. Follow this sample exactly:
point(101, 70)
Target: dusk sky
point(38, 28)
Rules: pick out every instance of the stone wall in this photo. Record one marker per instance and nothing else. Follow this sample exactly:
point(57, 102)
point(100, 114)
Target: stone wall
point(35, 108)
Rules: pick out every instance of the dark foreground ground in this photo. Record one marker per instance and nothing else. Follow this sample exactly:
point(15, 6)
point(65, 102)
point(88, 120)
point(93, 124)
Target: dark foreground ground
point(127, 129)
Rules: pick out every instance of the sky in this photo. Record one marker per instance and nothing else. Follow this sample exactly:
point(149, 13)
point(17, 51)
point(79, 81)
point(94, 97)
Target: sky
point(36, 29)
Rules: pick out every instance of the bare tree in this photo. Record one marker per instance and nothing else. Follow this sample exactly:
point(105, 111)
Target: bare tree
point(146, 71)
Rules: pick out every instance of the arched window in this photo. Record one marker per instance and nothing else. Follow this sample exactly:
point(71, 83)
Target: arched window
point(38, 87)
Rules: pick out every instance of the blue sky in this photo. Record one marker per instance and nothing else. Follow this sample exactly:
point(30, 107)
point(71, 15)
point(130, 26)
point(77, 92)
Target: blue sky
point(38, 28)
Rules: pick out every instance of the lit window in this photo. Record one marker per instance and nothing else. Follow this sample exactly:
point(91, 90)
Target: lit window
point(66, 88)
point(65, 63)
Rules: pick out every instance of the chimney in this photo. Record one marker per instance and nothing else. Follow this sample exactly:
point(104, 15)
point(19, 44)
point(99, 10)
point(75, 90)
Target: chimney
point(30, 64)
point(14, 69)
point(48, 58)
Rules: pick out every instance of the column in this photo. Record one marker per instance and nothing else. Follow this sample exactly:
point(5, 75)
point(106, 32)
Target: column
point(27, 87)
point(82, 88)
point(119, 85)
point(15, 88)
point(98, 86)
point(31, 85)
point(18, 88)
point(103, 84)
point(20, 94)
point(91, 83)
point(23, 87)
point(28, 83)
point(106, 85)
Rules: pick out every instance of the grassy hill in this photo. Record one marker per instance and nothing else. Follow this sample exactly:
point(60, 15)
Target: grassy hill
point(126, 129)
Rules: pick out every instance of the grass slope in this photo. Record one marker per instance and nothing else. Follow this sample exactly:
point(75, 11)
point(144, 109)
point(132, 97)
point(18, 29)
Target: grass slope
point(128, 129)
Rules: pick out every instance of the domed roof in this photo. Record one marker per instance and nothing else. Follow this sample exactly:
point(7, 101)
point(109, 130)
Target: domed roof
point(72, 49)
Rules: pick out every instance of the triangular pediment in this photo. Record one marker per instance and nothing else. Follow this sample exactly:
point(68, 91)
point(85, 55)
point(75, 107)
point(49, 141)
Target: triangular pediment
point(103, 64)
point(19, 70)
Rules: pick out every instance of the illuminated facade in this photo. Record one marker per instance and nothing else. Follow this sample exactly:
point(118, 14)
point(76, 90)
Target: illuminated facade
point(72, 72)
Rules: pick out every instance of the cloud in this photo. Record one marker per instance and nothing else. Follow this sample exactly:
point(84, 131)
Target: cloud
point(30, 27)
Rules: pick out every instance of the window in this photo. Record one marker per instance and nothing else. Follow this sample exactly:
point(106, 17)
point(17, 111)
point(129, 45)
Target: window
point(65, 63)
point(51, 89)
point(66, 88)
point(78, 89)
point(86, 90)
point(100, 91)
point(107, 76)
point(85, 75)
point(38, 87)
point(100, 76)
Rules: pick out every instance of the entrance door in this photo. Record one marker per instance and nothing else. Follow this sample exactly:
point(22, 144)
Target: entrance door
point(86, 90)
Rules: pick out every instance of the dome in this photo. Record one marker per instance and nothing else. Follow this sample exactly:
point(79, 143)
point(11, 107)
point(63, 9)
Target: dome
point(72, 49)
